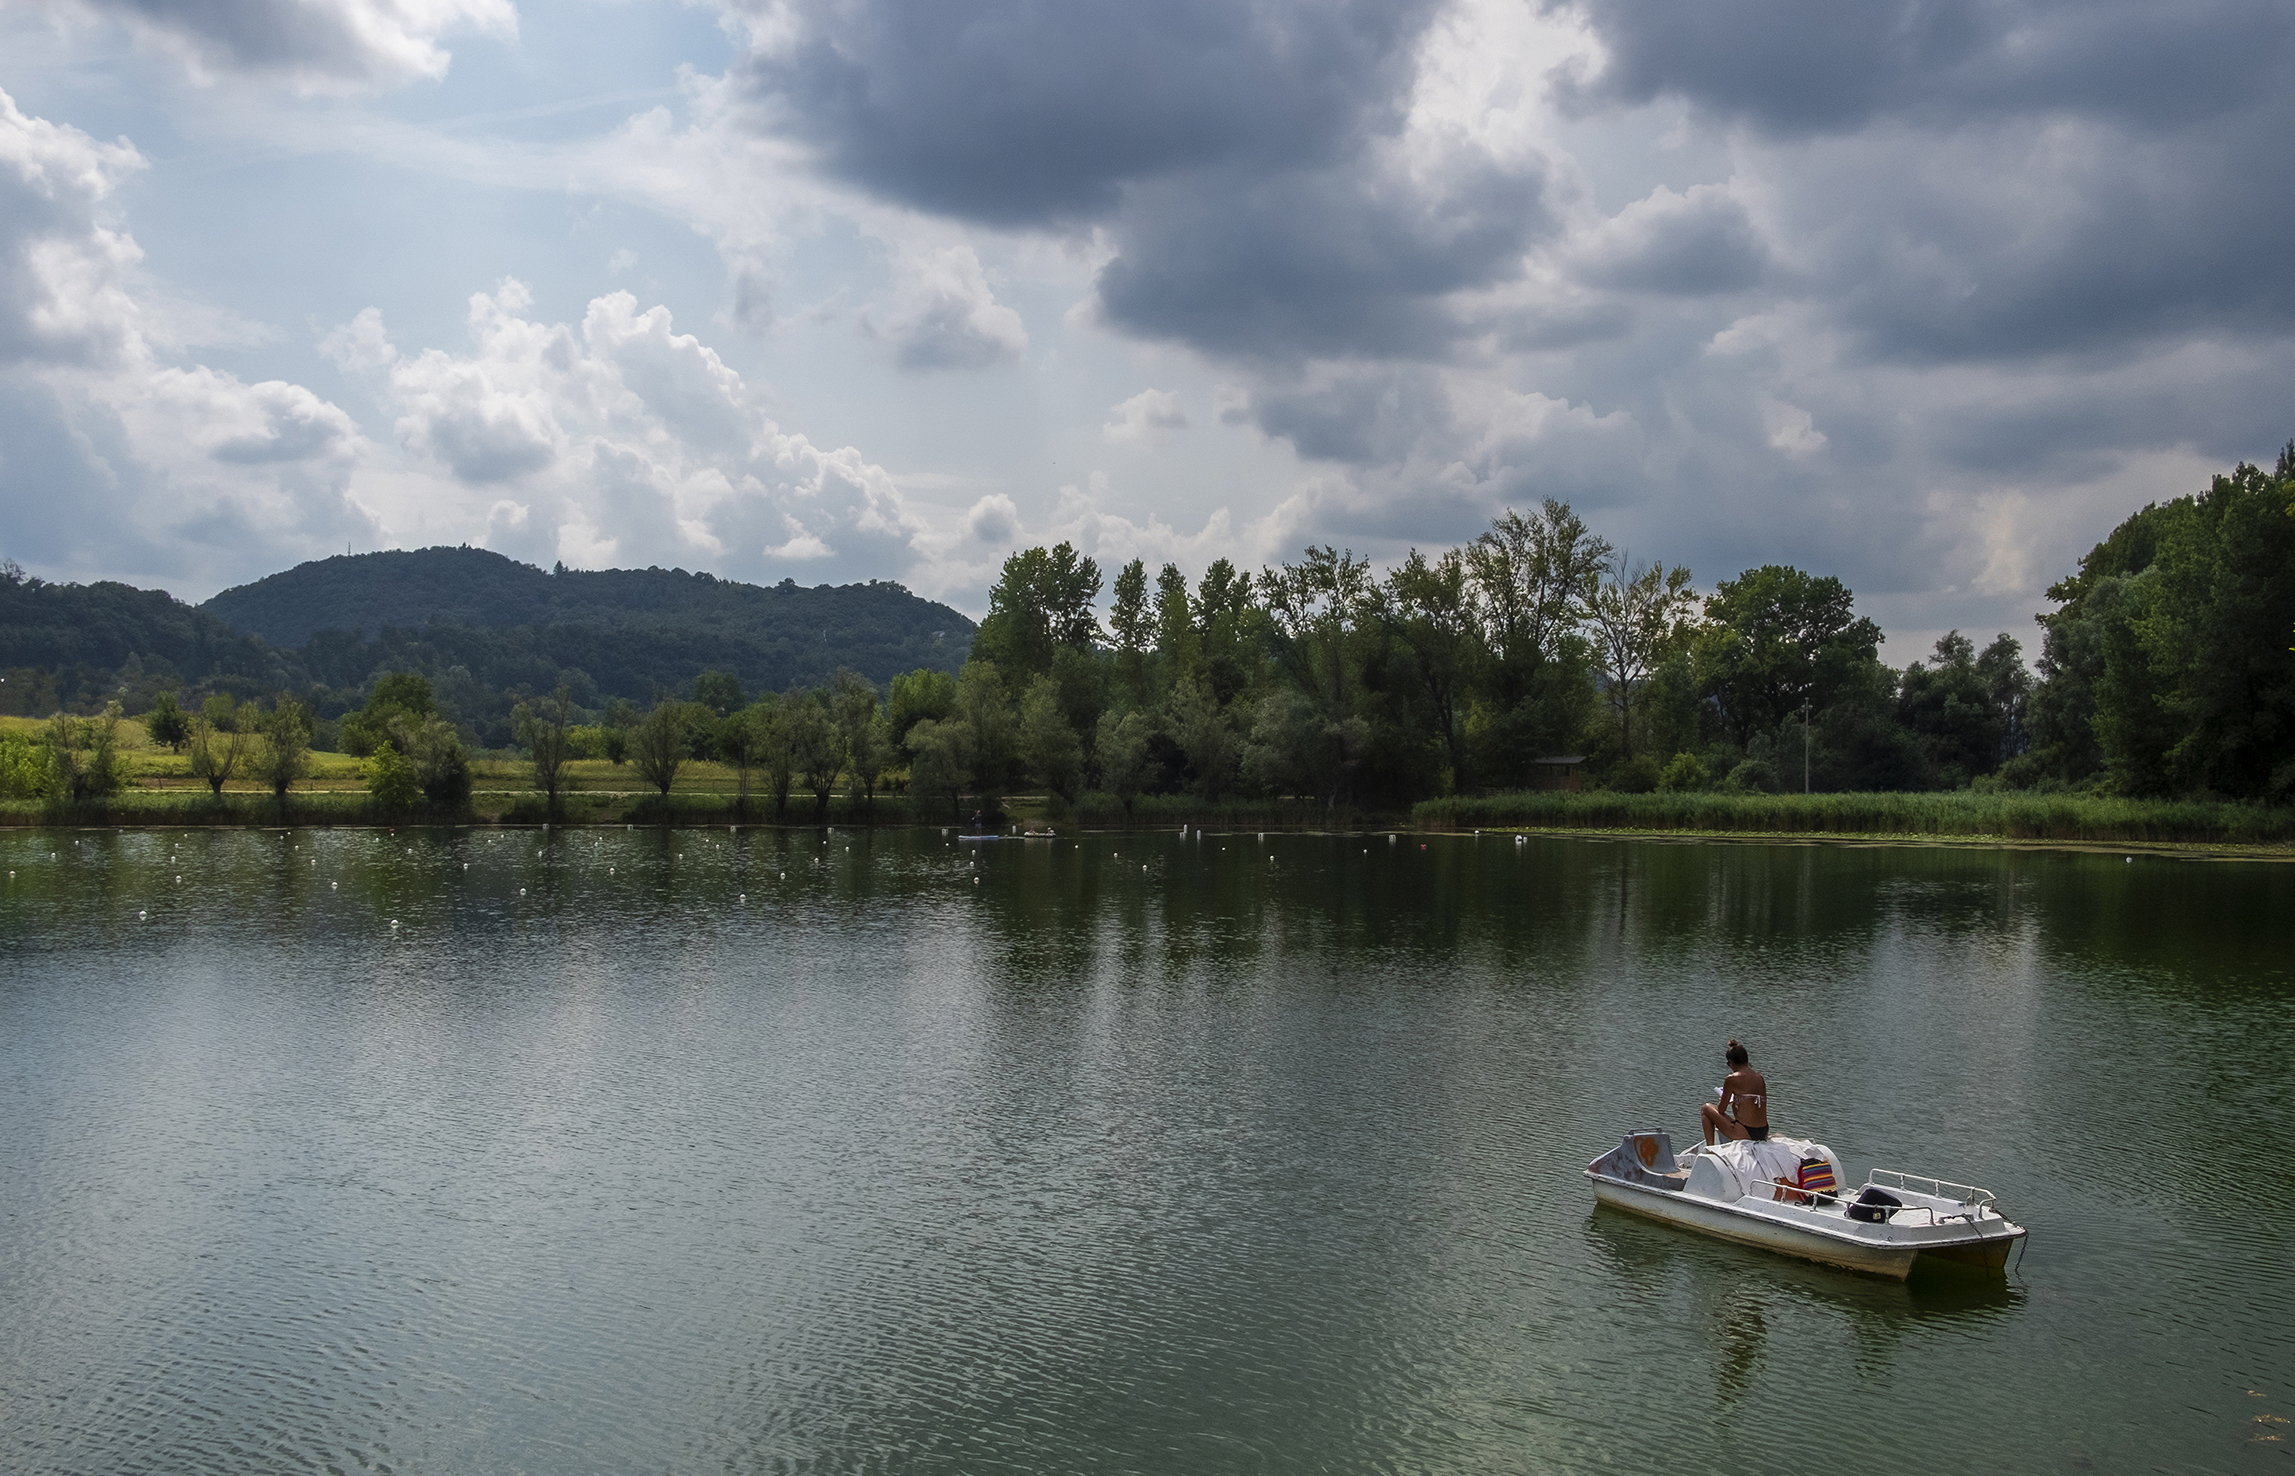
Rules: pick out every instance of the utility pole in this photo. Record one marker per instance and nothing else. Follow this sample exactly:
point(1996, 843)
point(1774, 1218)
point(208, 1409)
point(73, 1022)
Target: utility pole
point(1804, 748)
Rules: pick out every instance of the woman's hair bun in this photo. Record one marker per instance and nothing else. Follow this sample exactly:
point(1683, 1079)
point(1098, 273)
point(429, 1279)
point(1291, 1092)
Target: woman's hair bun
point(1733, 1045)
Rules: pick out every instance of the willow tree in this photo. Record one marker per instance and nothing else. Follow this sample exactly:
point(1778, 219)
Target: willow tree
point(657, 748)
point(286, 755)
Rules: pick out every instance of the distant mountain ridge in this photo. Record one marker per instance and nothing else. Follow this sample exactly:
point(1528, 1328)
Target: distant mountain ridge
point(632, 631)
point(473, 618)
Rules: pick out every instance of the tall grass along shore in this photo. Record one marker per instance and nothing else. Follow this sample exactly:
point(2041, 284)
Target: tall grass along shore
point(2009, 816)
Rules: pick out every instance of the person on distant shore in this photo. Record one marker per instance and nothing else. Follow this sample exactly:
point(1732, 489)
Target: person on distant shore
point(1743, 1111)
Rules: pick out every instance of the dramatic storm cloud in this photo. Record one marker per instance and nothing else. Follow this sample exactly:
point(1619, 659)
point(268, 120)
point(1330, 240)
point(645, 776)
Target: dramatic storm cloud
point(1925, 295)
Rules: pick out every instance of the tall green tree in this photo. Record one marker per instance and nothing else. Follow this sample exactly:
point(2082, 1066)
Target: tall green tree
point(1201, 728)
point(868, 748)
point(1178, 648)
point(400, 694)
point(1432, 606)
point(1132, 626)
point(545, 729)
point(433, 750)
point(1779, 640)
point(1529, 577)
point(1048, 745)
point(1043, 599)
point(915, 696)
point(2165, 668)
point(984, 712)
point(1637, 614)
point(718, 691)
point(1319, 610)
point(1227, 629)
point(816, 748)
point(1948, 705)
point(940, 764)
point(166, 722)
point(1122, 751)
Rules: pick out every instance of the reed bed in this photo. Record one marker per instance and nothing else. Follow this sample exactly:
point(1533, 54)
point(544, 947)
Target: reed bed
point(2008, 816)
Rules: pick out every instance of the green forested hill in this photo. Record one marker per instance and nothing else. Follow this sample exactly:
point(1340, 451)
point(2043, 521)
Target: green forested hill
point(632, 631)
point(469, 618)
point(107, 626)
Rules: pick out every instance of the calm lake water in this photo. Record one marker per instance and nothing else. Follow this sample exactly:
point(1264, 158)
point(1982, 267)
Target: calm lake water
point(460, 1151)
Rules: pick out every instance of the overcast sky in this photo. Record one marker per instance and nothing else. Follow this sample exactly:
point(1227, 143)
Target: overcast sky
point(1924, 295)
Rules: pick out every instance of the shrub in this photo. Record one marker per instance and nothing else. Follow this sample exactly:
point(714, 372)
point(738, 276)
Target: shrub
point(391, 780)
point(23, 767)
point(1754, 776)
point(1636, 775)
point(1687, 772)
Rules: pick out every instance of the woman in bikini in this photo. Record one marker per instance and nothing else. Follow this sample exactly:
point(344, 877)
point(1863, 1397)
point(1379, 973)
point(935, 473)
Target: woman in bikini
point(1743, 1111)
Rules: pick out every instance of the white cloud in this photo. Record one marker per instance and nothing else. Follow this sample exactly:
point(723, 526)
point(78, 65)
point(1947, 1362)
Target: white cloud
point(1150, 415)
point(114, 461)
point(623, 441)
point(993, 520)
point(943, 314)
point(1791, 429)
point(64, 272)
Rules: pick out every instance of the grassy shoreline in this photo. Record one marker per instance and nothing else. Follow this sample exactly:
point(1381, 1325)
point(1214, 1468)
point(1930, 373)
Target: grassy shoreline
point(707, 797)
point(2002, 818)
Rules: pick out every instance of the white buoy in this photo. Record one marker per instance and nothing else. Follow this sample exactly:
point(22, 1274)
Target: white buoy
point(394, 922)
point(141, 915)
point(521, 891)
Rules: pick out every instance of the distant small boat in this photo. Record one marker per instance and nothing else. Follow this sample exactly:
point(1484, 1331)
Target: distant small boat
point(979, 837)
point(1789, 1196)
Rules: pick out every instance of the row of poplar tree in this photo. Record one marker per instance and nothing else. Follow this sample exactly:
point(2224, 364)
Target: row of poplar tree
point(2165, 670)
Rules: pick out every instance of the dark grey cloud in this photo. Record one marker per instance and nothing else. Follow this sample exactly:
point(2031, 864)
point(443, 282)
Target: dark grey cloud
point(1963, 182)
point(2076, 241)
point(1680, 244)
point(1797, 67)
point(1017, 112)
point(1335, 261)
point(1242, 159)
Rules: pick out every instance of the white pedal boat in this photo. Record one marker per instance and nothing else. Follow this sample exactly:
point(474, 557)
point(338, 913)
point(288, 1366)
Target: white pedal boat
point(1730, 1190)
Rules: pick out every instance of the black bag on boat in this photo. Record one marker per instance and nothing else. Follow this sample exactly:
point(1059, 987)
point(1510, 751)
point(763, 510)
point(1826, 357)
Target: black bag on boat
point(1874, 1205)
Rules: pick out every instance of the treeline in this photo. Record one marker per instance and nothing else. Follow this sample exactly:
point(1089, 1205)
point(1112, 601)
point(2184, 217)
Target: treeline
point(1539, 652)
point(1536, 654)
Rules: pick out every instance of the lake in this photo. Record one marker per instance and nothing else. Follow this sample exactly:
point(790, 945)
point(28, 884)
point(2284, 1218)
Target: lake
point(468, 1151)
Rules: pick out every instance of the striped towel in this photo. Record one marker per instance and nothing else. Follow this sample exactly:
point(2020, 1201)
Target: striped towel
point(1817, 1177)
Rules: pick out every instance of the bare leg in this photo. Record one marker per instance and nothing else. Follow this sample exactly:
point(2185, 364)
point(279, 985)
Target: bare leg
point(1710, 1120)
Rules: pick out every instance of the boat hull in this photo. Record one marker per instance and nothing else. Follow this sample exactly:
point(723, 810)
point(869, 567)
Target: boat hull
point(1726, 1223)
